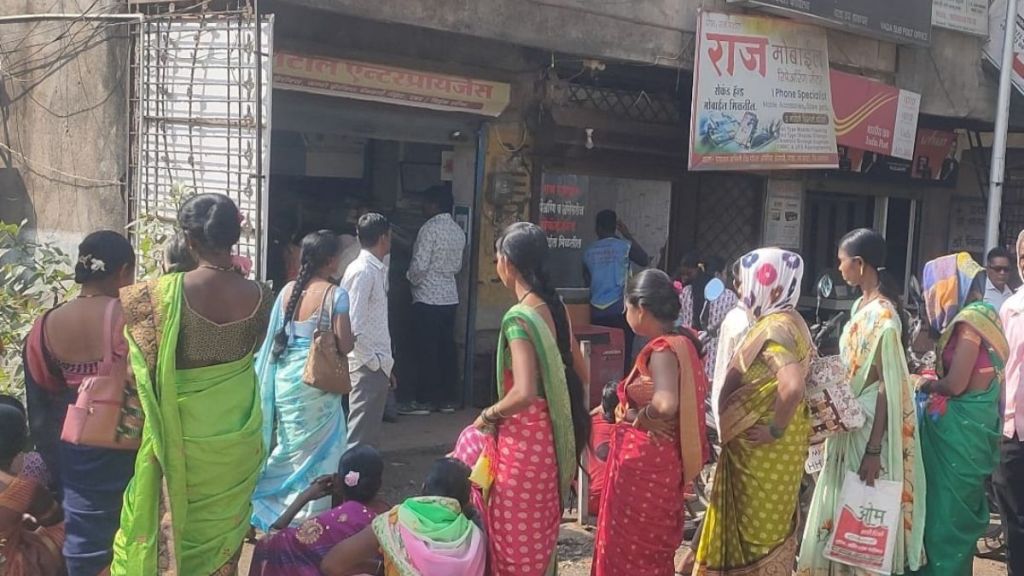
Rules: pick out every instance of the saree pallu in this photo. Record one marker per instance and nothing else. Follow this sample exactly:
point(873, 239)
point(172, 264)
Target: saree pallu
point(533, 458)
point(960, 449)
point(28, 552)
point(303, 428)
point(187, 509)
point(640, 524)
point(871, 338)
point(751, 522)
point(430, 536)
point(299, 551)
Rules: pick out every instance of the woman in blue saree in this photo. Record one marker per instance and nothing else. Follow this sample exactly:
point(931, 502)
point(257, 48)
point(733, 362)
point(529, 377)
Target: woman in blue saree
point(304, 428)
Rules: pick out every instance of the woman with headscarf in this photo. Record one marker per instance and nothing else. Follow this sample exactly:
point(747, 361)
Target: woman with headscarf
point(959, 420)
point(750, 527)
point(887, 446)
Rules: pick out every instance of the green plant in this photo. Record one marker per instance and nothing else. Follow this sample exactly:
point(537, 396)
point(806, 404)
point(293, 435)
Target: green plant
point(152, 232)
point(35, 276)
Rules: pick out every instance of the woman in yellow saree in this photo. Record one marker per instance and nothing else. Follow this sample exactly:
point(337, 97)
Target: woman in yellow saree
point(191, 338)
point(887, 447)
point(751, 523)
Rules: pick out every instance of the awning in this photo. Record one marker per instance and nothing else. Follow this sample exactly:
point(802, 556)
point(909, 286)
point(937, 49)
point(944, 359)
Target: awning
point(388, 84)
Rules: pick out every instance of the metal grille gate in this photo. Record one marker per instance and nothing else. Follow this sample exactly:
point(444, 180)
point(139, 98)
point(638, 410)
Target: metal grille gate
point(201, 118)
point(729, 214)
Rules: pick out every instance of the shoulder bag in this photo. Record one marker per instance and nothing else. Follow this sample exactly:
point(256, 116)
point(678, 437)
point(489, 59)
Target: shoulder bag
point(326, 367)
point(832, 405)
point(107, 412)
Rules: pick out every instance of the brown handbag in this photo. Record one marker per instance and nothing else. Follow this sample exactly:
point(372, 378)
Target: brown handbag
point(326, 367)
point(107, 412)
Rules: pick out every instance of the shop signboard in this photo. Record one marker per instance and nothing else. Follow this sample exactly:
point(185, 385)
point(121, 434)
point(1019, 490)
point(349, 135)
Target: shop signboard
point(874, 116)
point(997, 32)
point(761, 96)
point(563, 206)
point(902, 21)
point(389, 84)
point(936, 159)
point(970, 16)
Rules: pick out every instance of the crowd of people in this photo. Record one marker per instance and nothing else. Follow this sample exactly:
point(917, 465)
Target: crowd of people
point(224, 427)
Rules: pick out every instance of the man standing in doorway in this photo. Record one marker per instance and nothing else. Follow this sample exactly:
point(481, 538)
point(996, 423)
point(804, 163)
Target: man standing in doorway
point(436, 259)
point(998, 274)
point(371, 361)
point(606, 269)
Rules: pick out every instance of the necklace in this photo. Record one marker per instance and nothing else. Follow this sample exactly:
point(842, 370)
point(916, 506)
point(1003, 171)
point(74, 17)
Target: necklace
point(84, 296)
point(217, 268)
point(525, 296)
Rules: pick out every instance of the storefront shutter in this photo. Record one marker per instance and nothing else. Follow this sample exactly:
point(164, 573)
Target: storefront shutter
point(729, 211)
point(201, 118)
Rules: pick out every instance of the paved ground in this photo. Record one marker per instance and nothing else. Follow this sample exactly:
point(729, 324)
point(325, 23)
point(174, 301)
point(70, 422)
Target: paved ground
point(410, 446)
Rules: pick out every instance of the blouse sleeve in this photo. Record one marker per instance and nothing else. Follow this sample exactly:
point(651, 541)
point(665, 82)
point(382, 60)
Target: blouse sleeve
point(777, 357)
point(340, 300)
point(515, 331)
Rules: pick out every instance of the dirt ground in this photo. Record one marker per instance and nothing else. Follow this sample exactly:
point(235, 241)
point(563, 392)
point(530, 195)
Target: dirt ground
point(410, 446)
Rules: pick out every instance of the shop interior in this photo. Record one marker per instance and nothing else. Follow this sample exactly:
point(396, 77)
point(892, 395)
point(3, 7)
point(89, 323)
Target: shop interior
point(335, 159)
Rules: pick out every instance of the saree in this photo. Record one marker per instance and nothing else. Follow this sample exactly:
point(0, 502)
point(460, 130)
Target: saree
point(303, 429)
point(640, 524)
point(750, 526)
point(960, 435)
point(871, 338)
point(299, 551)
point(429, 535)
point(533, 457)
point(24, 551)
point(187, 509)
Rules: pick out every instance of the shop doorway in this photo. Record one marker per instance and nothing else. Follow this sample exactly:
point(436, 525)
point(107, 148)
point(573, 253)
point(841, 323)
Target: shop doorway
point(336, 159)
point(829, 217)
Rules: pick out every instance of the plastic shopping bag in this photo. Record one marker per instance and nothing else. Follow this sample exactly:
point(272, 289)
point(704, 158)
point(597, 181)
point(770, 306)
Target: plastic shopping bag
point(866, 522)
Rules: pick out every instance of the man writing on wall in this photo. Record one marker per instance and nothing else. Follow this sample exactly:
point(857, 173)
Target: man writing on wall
point(606, 269)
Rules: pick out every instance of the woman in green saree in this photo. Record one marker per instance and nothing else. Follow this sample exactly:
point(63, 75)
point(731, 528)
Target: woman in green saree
point(960, 417)
point(750, 526)
point(191, 338)
point(887, 447)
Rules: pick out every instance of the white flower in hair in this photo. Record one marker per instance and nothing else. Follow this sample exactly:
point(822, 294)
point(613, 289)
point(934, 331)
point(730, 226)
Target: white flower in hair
point(97, 265)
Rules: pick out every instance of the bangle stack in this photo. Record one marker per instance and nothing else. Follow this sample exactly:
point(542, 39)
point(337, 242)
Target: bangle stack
point(873, 450)
point(492, 416)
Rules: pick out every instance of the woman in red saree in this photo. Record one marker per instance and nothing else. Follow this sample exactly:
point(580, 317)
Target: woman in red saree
point(658, 445)
point(540, 424)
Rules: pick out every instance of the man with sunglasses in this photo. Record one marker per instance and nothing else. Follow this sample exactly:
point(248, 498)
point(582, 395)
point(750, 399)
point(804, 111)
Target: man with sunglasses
point(998, 274)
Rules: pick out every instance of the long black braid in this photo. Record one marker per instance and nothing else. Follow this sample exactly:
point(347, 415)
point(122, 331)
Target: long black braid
point(525, 246)
point(318, 248)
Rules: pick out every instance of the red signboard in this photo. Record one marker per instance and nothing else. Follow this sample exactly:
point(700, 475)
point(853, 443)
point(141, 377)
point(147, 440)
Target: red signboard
point(873, 116)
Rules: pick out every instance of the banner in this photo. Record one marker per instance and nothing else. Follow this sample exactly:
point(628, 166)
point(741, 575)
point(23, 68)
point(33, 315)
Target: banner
point(874, 116)
point(563, 204)
point(783, 214)
point(388, 84)
point(904, 21)
point(997, 32)
point(970, 16)
point(936, 159)
point(761, 96)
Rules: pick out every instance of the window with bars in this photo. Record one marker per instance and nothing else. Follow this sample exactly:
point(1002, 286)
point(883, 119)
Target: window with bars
point(638, 106)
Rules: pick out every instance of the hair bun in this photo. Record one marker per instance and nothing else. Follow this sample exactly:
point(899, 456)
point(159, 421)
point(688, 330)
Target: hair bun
point(223, 227)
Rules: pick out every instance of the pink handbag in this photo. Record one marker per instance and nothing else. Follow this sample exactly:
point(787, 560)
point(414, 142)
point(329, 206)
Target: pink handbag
point(107, 413)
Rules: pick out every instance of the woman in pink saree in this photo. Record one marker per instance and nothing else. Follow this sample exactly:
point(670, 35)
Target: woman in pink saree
point(540, 424)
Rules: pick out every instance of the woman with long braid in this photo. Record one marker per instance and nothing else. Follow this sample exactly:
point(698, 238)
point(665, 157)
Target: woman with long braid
point(304, 427)
point(540, 424)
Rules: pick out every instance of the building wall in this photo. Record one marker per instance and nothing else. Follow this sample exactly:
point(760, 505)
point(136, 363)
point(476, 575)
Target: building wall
point(63, 121)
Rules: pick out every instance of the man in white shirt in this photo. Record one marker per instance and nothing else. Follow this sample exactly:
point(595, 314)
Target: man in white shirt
point(371, 361)
point(997, 270)
point(436, 259)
